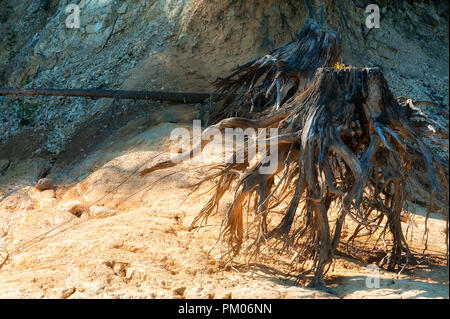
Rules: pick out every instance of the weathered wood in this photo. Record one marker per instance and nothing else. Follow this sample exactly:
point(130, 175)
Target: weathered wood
point(175, 97)
point(349, 153)
point(265, 83)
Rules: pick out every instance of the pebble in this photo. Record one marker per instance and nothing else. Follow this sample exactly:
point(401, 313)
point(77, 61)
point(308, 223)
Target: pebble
point(44, 184)
point(179, 291)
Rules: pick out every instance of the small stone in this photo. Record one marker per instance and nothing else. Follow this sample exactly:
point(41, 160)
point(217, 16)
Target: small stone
point(44, 184)
point(101, 212)
point(179, 291)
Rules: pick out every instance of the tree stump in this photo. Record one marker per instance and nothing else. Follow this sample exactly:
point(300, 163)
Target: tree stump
point(344, 147)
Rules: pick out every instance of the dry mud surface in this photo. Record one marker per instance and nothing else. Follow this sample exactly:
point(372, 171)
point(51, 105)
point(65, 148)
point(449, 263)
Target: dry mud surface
point(132, 238)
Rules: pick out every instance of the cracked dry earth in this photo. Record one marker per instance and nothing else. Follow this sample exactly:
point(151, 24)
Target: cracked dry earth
point(129, 238)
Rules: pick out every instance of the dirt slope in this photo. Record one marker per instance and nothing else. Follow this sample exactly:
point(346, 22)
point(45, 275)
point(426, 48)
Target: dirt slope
point(133, 241)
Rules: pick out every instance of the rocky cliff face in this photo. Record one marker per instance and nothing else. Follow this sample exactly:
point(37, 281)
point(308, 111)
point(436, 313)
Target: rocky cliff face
point(185, 45)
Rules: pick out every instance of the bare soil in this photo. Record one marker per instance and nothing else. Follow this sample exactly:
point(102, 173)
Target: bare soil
point(131, 238)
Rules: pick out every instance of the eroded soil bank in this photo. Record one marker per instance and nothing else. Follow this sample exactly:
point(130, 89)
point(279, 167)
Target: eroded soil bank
point(132, 241)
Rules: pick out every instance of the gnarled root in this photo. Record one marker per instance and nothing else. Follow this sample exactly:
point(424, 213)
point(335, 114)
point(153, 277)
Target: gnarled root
point(342, 159)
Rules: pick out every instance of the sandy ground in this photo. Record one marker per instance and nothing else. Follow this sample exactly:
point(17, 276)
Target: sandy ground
point(132, 238)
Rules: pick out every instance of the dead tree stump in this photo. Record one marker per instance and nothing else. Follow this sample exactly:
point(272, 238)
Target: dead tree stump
point(344, 147)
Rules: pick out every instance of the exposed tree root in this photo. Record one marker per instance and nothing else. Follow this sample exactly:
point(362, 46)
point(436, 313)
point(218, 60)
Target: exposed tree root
point(345, 154)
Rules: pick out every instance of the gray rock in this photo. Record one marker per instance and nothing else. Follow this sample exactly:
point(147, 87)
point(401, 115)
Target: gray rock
point(44, 184)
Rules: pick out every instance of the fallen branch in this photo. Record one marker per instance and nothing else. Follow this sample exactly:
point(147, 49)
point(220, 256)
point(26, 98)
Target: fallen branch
point(175, 97)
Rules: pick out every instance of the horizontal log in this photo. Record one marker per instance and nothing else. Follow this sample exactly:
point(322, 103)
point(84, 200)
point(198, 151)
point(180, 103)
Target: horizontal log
point(176, 97)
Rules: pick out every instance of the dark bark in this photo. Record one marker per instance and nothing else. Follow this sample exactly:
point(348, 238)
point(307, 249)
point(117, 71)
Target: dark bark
point(176, 97)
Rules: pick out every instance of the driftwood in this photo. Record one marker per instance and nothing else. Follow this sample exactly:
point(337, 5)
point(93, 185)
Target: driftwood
point(176, 97)
point(345, 150)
